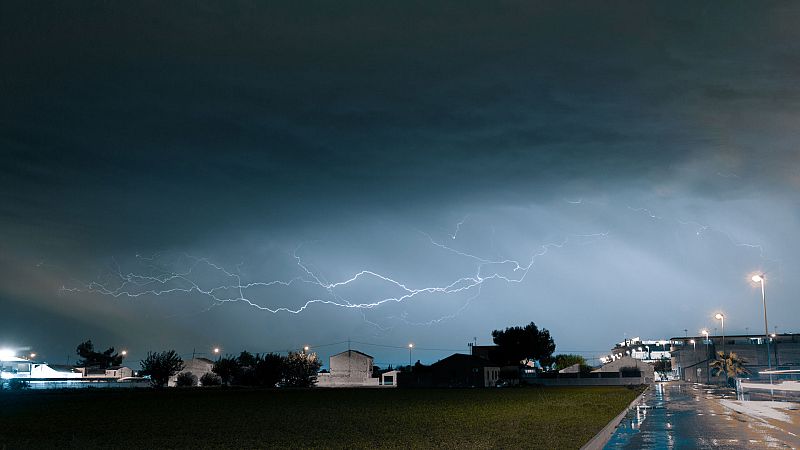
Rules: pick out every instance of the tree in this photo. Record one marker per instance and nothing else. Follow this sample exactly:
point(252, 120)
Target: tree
point(518, 345)
point(731, 365)
point(566, 360)
point(663, 366)
point(269, 369)
point(210, 379)
point(227, 368)
point(161, 366)
point(186, 379)
point(94, 359)
point(300, 369)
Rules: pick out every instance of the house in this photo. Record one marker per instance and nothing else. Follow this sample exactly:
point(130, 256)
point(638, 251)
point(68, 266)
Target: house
point(627, 367)
point(350, 368)
point(119, 372)
point(13, 367)
point(113, 372)
point(197, 366)
point(575, 368)
point(457, 370)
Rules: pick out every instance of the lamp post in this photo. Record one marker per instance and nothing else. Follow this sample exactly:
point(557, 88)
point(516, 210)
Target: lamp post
point(410, 346)
point(708, 375)
point(761, 280)
point(721, 318)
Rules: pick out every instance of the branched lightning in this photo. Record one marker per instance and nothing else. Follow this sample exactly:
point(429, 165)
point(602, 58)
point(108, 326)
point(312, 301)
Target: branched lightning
point(161, 281)
point(701, 229)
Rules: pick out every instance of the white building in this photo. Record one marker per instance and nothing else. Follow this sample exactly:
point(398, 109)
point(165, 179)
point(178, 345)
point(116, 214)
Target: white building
point(12, 367)
point(349, 368)
point(644, 350)
point(197, 366)
point(619, 365)
point(115, 372)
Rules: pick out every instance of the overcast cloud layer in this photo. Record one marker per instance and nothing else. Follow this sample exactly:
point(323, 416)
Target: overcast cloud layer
point(640, 157)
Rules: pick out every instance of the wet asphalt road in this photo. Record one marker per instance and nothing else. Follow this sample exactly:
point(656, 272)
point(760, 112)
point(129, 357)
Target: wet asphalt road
point(683, 415)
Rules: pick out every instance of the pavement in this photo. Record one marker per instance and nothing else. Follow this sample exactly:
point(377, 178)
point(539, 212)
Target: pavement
point(684, 415)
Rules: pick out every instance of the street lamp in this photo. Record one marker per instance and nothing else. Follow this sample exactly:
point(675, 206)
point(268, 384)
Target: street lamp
point(305, 349)
point(33, 355)
point(761, 280)
point(708, 374)
point(721, 318)
point(694, 344)
point(124, 353)
point(410, 346)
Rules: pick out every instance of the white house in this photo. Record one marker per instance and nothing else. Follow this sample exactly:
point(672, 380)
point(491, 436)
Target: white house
point(349, 368)
point(197, 366)
point(13, 367)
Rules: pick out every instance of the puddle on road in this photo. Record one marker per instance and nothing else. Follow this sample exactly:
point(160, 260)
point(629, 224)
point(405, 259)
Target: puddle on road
point(668, 417)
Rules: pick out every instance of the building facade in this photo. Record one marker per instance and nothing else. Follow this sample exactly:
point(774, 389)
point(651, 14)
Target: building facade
point(692, 356)
point(350, 368)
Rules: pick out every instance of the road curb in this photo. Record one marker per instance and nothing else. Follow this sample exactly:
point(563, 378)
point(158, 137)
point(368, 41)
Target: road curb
point(603, 436)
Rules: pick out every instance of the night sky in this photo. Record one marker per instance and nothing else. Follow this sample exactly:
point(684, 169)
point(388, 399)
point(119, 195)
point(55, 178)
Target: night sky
point(604, 169)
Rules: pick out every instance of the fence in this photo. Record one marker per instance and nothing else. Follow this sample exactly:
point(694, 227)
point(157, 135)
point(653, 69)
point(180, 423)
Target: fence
point(777, 385)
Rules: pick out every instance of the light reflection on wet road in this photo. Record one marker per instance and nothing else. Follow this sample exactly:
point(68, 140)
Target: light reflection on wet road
point(683, 415)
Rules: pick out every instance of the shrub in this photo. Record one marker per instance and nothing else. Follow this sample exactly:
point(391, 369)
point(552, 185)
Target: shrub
point(210, 379)
point(186, 379)
point(18, 385)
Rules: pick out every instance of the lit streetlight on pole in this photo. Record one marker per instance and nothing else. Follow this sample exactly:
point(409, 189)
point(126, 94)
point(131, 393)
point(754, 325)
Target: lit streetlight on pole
point(721, 318)
point(410, 347)
point(761, 280)
point(708, 375)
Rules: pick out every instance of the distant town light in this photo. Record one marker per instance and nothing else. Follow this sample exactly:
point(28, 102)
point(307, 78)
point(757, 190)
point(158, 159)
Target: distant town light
point(305, 348)
point(33, 355)
point(124, 353)
point(216, 349)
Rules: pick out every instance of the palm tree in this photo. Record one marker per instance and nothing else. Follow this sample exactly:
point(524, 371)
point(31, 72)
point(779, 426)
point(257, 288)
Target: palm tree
point(731, 365)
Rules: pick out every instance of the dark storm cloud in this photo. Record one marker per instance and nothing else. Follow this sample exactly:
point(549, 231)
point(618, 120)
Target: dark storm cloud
point(198, 125)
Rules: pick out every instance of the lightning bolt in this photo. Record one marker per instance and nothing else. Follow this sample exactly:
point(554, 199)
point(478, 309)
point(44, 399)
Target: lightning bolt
point(160, 281)
point(458, 227)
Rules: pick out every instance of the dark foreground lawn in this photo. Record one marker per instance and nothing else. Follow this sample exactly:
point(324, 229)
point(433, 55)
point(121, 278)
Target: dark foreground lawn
point(338, 418)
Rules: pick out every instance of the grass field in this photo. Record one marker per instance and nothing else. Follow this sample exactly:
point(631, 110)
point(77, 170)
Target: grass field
point(333, 418)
